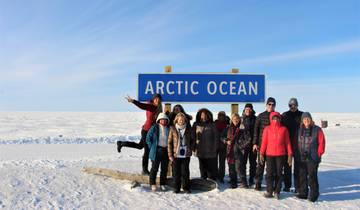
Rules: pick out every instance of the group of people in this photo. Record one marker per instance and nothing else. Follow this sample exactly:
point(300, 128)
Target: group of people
point(277, 141)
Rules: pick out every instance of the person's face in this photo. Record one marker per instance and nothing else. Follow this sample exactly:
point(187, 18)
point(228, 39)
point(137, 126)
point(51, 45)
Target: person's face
point(307, 122)
point(203, 117)
point(163, 122)
point(293, 107)
point(270, 107)
point(276, 119)
point(221, 117)
point(247, 111)
point(235, 120)
point(177, 109)
point(156, 101)
point(181, 121)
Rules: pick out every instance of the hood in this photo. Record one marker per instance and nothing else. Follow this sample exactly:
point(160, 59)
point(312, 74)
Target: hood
point(207, 112)
point(162, 115)
point(272, 114)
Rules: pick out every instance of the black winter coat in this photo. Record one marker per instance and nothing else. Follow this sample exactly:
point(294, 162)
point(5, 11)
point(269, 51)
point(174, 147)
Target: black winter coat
point(261, 122)
point(249, 124)
point(292, 120)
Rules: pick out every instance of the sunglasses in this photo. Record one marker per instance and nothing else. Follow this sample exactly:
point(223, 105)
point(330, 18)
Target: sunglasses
point(271, 104)
point(292, 105)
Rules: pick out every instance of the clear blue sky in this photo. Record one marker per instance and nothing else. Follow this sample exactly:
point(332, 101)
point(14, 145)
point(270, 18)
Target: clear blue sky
point(85, 55)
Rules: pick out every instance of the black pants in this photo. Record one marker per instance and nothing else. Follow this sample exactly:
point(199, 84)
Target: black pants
point(241, 161)
point(208, 168)
point(274, 176)
point(233, 174)
point(221, 159)
point(288, 173)
point(140, 145)
point(181, 172)
point(160, 159)
point(252, 161)
point(308, 177)
point(259, 170)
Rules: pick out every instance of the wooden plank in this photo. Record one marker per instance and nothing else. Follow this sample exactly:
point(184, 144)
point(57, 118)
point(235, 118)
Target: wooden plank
point(196, 183)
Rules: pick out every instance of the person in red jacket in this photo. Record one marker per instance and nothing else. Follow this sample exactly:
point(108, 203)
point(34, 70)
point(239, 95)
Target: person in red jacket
point(311, 144)
point(152, 108)
point(277, 148)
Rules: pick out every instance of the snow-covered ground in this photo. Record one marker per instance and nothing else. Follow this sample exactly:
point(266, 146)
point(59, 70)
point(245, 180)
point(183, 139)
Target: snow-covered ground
point(41, 156)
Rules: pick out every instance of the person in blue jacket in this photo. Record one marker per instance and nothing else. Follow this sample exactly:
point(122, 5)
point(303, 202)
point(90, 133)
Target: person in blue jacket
point(157, 141)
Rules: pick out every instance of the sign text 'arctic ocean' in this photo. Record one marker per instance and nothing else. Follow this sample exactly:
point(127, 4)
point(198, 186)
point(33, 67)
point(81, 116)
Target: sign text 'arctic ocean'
point(202, 87)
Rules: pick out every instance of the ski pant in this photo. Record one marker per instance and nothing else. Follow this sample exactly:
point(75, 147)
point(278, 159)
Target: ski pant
point(162, 159)
point(252, 162)
point(288, 173)
point(181, 173)
point(233, 174)
point(308, 177)
point(208, 168)
point(140, 145)
point(242, 159)
point(259, 170)
point(221, 159)
point(274, 176)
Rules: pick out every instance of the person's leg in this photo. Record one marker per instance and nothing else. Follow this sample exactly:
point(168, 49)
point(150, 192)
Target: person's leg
point(241, 164)
point(303, 180)
point(145, 158)
point(287, 177)
point(270, 169)
point(212, 168)
point(222, 159)
point(185, 173)
point(313, 181)
point(296, 175)
point(232, 175)
point(252, 161)
point(280, 162)
point(177, 174)
point(203, 173)
point(164, 166)
point(259, 173)
point(154, 169)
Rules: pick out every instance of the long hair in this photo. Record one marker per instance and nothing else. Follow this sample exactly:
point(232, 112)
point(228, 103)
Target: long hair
point(159, 107)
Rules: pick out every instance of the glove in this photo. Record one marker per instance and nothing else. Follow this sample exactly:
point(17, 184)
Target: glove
point(289, 160)
point(262, 159)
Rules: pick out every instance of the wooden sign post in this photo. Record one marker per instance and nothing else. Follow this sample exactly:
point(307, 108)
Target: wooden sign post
point(234, 107)
point(167, 110)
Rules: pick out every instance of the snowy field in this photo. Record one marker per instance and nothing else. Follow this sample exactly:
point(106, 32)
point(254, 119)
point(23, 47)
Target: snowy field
point(41, 156)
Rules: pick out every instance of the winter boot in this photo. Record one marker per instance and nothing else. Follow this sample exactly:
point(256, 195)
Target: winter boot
point(277, 196)
point(119, 146)
point(163, 188)
point(153, 188)
point(258, 186)
point(268, 195)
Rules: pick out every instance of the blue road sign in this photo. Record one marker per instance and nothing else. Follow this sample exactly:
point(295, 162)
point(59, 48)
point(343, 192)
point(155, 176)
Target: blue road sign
point(219, 88)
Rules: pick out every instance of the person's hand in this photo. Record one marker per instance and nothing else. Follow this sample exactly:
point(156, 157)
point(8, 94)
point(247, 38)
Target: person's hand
point(255, 148)
point(129, 99)
point(228, 142)
point(289, 160)
point(262, 159)
point(171, 158)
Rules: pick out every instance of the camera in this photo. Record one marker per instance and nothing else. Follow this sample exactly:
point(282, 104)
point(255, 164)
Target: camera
point(304, 156)
point(182, 152)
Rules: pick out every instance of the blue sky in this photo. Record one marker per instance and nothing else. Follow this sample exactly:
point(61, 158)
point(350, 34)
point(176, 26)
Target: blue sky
point(85, 55)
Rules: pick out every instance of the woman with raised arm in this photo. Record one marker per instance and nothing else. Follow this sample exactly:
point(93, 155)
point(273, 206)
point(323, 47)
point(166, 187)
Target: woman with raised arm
point(152, 108)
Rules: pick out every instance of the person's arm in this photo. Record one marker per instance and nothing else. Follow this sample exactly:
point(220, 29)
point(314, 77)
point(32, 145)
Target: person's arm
point(144, 106)
point(149, 136)
point(321, 141)
point(264, 141)
point(288, 143)
point(256, 131)
point(171, 144)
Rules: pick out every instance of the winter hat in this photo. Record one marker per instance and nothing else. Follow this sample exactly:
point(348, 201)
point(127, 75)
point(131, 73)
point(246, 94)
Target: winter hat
point(293, 101)
point(306, 115)
point(271, 100)
point(161, 116)
point(249, 105)
point(222, 113)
